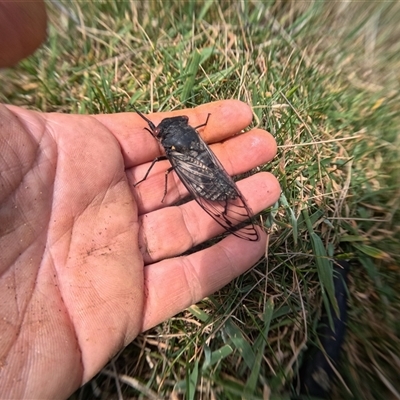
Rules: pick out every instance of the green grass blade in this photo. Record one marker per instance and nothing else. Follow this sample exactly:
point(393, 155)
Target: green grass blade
point(251, 384)
point(192, 382)
point(240, 343)
point(324, 267)
point(189, 76)
point(217, 356)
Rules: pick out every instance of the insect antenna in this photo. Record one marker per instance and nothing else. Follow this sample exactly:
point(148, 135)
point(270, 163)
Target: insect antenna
point(152, 129)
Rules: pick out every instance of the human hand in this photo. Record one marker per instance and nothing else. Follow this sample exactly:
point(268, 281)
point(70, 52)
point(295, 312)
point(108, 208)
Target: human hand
point(85, 257)
point(22, 29)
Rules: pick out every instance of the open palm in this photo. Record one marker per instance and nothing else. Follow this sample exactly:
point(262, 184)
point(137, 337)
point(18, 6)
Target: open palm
point(86, 258)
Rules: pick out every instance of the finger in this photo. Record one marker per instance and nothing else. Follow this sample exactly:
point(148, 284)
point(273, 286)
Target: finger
point(191, 225)
point(238, 154)
point(23, 29)
point(228, 117)
point(175, 284)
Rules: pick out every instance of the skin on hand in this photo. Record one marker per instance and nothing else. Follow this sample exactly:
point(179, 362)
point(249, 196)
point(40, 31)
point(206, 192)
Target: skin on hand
point(22, 29)
point(87, 260)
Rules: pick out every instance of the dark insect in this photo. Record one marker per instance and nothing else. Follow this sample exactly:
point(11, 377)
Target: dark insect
point(202, 174)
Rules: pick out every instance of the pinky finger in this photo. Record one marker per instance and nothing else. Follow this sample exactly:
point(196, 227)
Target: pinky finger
point(174, 284)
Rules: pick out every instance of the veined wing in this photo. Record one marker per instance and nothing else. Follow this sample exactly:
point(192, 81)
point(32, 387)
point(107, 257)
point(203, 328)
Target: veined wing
point(214, 190)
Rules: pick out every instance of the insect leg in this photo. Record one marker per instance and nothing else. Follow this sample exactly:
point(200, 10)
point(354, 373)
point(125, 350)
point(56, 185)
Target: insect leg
point(205, 123)
point(226, 207)
point(151, 166)
point(166, 182)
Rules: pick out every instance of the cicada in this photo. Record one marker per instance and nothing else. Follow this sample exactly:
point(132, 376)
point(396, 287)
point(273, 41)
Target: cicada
point(201, 173)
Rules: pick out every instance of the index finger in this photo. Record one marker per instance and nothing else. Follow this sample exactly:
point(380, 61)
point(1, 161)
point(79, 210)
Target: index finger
point(228, 117)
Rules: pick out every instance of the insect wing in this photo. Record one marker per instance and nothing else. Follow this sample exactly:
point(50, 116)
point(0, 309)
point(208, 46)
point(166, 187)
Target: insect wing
point(214, 190)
